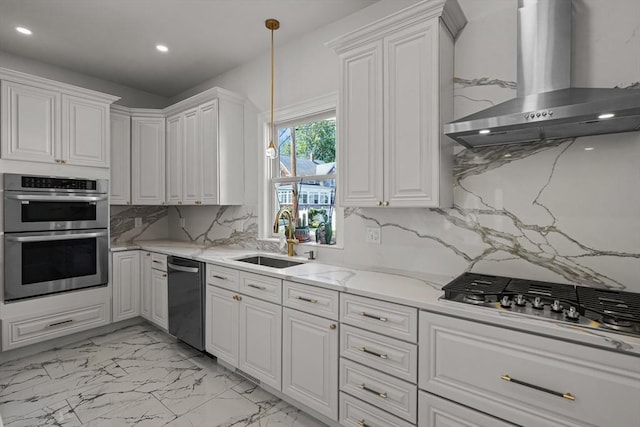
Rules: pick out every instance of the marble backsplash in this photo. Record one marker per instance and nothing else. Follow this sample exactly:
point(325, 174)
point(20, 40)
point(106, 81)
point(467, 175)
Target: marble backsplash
point(154, 223)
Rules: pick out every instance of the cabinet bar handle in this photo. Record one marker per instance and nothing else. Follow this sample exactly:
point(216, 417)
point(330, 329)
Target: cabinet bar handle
point(365, 388)
point(51, 325)
point(361, 423)
point(157, 262)
point(373, 316)
point(373, 353)
point(312, 301)
point(262, 288)
point(148, 254)
point(567, 396)
point(220, 277)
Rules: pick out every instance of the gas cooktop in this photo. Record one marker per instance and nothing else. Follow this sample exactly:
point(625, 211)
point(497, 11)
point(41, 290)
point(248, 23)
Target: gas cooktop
point(617, 311)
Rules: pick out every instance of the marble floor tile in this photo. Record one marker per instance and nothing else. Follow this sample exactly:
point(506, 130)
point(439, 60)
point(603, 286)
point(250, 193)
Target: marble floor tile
point(136, 376)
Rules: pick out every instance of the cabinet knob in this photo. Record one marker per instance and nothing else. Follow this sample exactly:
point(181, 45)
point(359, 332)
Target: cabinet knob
point(128, 203)
point(332, 326)
point(164, 275)
point(379, 202)
point(385, 204)
point(179, 202)
point(148, 254)
point(64, 161)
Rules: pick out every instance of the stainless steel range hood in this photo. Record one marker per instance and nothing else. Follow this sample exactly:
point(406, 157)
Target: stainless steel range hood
point(546, 106)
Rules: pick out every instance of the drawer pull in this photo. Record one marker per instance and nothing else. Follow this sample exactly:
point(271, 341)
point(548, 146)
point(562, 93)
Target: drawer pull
point(51, 325)
point(373, 316)
point(237, 297)
point(362, 423)
point(365, 388)
point(262, 288)
point(567, 396)
point(220, 277)
point(312, 301)
point(373, 353)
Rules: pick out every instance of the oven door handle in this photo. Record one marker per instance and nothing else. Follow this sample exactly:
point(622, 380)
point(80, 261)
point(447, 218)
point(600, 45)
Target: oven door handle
point(51, 198)
point(47, 238)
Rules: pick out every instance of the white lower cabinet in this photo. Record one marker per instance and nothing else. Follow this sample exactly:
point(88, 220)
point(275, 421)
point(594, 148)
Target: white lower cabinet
point(145, 286)
point(221, 324)
point(356, 413)
point(154, 289)
point(310, 361)
point(125, 279)
point(434, 411)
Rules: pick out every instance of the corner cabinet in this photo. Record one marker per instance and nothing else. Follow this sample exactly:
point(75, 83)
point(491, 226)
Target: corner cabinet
point(148, 159)
point(120, 183)
point(395, 94)
point(205, 150)
point(51, 122)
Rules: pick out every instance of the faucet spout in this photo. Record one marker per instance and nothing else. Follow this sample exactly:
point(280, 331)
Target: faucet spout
point(289, 231)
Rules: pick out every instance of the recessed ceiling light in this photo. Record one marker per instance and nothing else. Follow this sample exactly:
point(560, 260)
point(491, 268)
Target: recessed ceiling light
point(588, 149)
point(23, 30)
point(162, 48)
point(606, 116)
point(484, 131)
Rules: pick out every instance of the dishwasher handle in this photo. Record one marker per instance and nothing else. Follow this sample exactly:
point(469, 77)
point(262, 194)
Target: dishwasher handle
point(185, 269)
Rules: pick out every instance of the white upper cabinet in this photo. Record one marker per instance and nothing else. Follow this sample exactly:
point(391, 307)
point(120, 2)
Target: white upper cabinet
point(51, 122)
point(395, 93)
point(205, 150)
point(120, 183)
point(148, 160)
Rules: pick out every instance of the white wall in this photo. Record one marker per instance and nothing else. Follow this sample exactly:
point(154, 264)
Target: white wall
point(129, 97)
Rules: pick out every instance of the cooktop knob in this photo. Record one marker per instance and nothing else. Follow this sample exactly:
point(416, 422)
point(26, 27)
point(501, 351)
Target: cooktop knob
point(505, 302)
point(556, 306)
point(537, 303)
point(572, 313)
point(520, 300)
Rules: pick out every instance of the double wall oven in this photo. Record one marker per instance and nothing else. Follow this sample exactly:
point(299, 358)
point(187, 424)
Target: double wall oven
point(55, 235)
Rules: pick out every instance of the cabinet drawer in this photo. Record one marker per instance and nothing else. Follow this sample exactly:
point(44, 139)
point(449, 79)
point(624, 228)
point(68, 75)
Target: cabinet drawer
point(356, 413)
point(527, 379)
point(223, 277)
point(263, 287)
point(396, 320)
point(381, 390)
point(159, 262)
point(386, 354)
point(434, 411)
point(25, 331)
point(311, 299)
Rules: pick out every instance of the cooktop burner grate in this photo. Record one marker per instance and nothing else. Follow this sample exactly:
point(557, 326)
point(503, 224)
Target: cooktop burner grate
point(613, 304)
point(473, 283)
point(544, 290)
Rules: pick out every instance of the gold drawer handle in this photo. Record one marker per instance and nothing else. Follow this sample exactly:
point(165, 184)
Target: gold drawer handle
point(567, 396)
point(219, 277)
point(362, 423)
point(51, 325)
point(312, 301)
point(373, 353)
point(237, 297)
point(372, 316)
point(262, 288)
point(365, 388)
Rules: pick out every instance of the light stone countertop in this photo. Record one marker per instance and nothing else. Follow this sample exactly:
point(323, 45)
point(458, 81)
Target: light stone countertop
point(419, 290)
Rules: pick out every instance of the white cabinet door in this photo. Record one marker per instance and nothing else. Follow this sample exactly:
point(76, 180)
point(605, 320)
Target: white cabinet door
point(145, 286)
point(125, 279)
point(159, 301)
point(221, 324)
point(411, 124)
point(174, 159)
point(209, 142)
point(85, 132)
point(193, 161)
point(260, 349)
point(30, 123)
point(148, 164)
point(361, 128)
point(120, 183)
point(310, 361)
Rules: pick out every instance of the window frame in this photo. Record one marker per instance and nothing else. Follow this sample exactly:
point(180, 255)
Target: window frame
point(313, 109)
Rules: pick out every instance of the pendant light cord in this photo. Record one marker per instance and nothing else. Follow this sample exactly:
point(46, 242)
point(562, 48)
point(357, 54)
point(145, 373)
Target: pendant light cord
point(273, 131)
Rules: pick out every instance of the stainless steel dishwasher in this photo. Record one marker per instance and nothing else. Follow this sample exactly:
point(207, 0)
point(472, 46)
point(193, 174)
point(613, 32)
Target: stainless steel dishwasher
point(186, 300)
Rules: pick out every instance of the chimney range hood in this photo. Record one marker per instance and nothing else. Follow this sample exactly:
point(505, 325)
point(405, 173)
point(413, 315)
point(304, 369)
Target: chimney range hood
point(546, 107)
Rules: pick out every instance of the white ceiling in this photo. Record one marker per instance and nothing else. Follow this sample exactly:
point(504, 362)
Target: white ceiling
point(115, 39)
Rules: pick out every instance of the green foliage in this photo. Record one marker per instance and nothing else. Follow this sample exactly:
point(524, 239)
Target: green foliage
point(317, 138)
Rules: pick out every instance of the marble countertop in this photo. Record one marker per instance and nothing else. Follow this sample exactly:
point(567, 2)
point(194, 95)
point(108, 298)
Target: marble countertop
point(418, 290)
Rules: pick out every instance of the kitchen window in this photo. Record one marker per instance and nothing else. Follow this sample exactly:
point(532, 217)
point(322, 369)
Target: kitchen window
point(302, 178)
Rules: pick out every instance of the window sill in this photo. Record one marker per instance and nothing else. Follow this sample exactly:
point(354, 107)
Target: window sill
point(304, 244)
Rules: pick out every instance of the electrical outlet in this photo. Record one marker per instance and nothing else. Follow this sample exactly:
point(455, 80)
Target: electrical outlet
point(182, 222)
point(137, 222)
point(373, 235)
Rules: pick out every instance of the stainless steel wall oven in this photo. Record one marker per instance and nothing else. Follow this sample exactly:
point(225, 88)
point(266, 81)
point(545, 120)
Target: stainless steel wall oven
point(55, 235)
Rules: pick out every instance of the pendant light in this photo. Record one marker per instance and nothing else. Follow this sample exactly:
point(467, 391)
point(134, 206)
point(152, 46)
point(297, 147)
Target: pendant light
point(272, 152)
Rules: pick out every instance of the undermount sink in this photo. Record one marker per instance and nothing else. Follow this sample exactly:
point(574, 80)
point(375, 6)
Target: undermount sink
point(270, 262)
